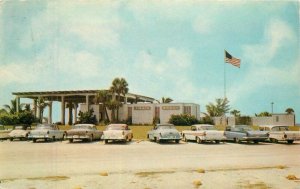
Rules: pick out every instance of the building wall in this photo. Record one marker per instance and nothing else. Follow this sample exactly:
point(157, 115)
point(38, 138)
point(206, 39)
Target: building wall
point(276, 119)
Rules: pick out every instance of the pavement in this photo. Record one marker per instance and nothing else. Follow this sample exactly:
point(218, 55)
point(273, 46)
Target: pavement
point(148, 165)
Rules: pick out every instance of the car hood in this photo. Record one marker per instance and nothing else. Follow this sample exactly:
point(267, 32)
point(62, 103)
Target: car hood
point(168, 131)
point(18, 132)
point(39, 131)
point(257, 133)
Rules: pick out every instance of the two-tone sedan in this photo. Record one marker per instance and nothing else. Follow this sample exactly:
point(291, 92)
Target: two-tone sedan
point(239, 133)
point(281, 133)
point(84, 132)
point(46, 132)
point(117, 132)
point(202, 133)
point(20, 132)
point(164, 132)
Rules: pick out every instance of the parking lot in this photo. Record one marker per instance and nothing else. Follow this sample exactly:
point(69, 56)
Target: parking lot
point(144, 164)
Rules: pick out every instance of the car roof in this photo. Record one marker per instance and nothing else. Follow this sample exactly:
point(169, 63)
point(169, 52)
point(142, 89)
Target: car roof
point(117, 124)
point(203, 125)
point(271, 126)
point(85, 124)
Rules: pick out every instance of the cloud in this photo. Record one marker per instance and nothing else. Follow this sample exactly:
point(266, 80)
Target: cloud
point(202, 25)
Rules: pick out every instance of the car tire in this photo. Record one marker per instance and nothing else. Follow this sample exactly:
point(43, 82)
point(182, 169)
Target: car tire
point(91, 138)
point(217, 142)
point(53, 138)
point(34, 140)
point(255, 141)
point(11, 139)
point(290, 141)
point(238, 140)
point(273, 140)
point(199, 141)
point(70, 140)
point(184, 138)
point(105, 141)
point(177, 141)
point(156, 140)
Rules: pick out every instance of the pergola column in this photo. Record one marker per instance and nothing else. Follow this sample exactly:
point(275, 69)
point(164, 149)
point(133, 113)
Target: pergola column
point(50, 112)
point(62, 108)
point(34, 107)
point(75, 112)
point(87, 102)
point(17, 103)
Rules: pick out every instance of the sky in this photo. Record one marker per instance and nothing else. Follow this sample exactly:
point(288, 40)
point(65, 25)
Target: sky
point(162, 48)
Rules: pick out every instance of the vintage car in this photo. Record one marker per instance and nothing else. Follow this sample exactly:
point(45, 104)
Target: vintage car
point(281, 133)
point(87, 132)
point(4, 133)
point(164, 132)
point(240, 133)
point(202, 133)
point(117, 132)
point(46, 132)
point(20, 132)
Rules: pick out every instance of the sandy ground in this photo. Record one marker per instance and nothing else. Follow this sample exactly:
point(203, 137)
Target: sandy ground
point(147, 165)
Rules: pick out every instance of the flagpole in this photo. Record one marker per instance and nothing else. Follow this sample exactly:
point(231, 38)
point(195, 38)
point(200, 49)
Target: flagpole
point(224, 76)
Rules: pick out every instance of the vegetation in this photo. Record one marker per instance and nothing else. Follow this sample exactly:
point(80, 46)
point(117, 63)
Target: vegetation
point(166, 100)
point(219, 109)
point(24, 117)
point(119, 86)
point(41, 104)
point(12, 108)
point(235, 113)
point(183, 119)
point(87, 117)
point(263, 114)
point(289, 111)
point(104, 98)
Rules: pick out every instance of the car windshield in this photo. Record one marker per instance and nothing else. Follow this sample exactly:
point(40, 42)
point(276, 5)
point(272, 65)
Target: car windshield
point(44, 126)
point(207, 128)
point(19, 128)
point(82, 127)
point(166, 127)
point(280, 128)
point(115, 127)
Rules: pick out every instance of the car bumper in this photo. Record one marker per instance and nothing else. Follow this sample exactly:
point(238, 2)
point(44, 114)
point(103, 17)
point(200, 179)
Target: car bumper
point(78, 137)
point(170, 138)
point(255, 138)
point(114, 138)
point(38, 137)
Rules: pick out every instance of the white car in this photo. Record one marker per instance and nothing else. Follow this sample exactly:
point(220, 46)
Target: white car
point(46, 132)
point(164, 132)
point(117, 132)
point(281, 133)
point(202, 133)
point(20, 132)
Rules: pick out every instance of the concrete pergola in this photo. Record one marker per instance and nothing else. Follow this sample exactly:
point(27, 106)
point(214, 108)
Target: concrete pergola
point(71, 97)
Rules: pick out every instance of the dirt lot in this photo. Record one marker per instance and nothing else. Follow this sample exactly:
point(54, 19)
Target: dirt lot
point(147, 165)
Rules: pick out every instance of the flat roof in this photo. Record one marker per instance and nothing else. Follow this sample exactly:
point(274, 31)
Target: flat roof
point(76, 95)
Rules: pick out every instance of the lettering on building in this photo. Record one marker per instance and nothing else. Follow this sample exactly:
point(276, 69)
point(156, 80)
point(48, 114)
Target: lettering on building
point(170, 107)
point(142, 108)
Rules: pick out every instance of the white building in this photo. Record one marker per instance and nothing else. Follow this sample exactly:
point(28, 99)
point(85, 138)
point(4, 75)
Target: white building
point(144, 113)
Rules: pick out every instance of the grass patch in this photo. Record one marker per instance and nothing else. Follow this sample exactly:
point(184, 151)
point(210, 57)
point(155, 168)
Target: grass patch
point(50, 178)
point(249, 168)
point(200, 170)
point(292, 177)
point(255, 185)
point(153, 173)
point(104, 174)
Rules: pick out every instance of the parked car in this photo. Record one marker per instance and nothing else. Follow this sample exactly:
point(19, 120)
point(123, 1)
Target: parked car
point(202, 133)
point(240, 133)
point(46, 132)
point(20, 132)
point(117, 132)
point(86, 132)
point(164, 132)
point(281, 133)
point(4, 133)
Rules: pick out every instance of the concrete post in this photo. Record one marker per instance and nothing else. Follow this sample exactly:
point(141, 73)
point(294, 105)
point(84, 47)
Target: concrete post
point(75, 112)
point(50, 112)
point(35, 107)
point(17, 103)
point(87, 102)
point(62, 108)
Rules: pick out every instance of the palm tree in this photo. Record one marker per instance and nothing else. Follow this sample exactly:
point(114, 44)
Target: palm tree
point(113, 105)
point(289, 111)
point(236, 113)
point(119, 86)
point(41, 104)
point(219, 109)
point(263, 114)
point(104, 98)
point(12, 109)
point(166, 100)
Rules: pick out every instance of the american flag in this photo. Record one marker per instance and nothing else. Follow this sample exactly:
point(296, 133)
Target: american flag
point(232, 60)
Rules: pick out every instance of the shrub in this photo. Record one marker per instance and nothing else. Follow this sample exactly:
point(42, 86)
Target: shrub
point(87, 117)
point(207, 120)
point(155, 121)
point(183, 119)
point(26, 118)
